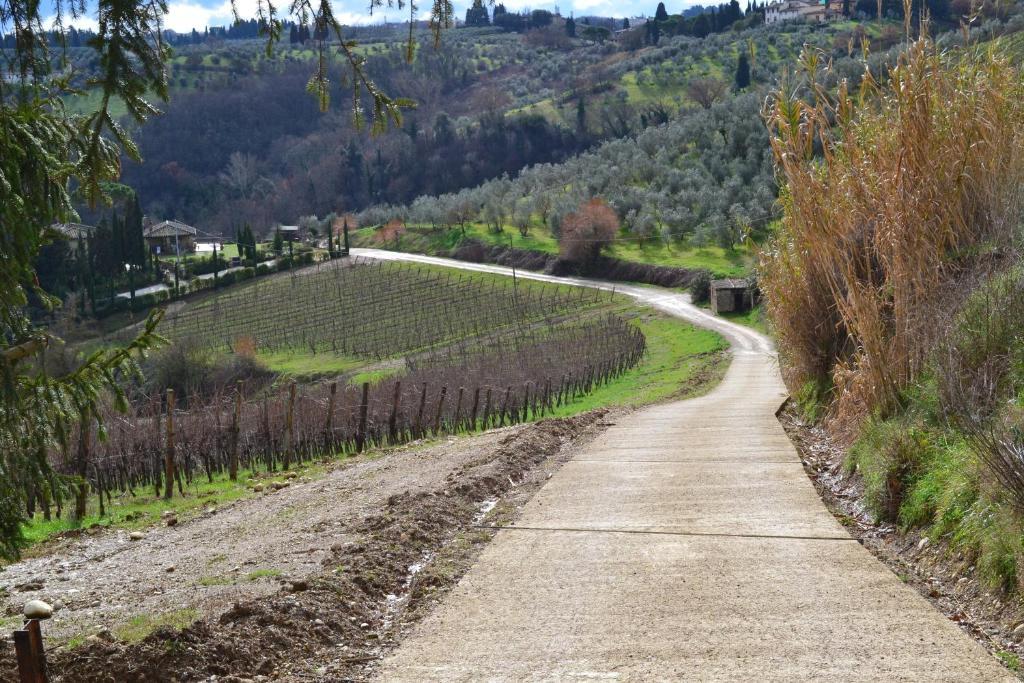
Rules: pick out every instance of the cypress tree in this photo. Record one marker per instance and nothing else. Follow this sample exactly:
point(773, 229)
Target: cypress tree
point(743, 72)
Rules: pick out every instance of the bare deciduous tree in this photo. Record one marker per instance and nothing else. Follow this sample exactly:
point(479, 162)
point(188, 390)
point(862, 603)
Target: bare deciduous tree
point(588, 230)
point(706, 91)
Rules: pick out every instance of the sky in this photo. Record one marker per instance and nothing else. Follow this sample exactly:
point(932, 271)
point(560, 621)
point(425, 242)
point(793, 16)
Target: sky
point(184, 15)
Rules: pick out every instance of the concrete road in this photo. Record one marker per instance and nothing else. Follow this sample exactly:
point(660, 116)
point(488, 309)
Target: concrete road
point(686, 544)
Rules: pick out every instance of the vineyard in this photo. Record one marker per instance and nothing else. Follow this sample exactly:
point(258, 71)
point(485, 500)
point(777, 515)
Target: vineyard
point(371, 309)
point(475, 352)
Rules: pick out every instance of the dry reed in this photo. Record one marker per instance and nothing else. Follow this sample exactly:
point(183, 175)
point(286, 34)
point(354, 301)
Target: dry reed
point(889, 192)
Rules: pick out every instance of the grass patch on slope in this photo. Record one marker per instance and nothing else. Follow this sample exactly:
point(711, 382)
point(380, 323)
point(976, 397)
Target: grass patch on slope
point(681, 361)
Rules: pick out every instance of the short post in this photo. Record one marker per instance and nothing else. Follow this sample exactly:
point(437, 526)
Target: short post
point(440, 407)
point(28, 644)
point(169, 453)
point(364, 408)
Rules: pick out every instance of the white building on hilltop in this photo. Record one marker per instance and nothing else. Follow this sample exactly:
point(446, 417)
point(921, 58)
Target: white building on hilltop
point(814, 11)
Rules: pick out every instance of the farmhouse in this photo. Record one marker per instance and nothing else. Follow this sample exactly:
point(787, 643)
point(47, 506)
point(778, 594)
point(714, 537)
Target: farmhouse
point(73, 232)
point(731, 295)
point(815, 11)
point(290, 233)
point(168, 237)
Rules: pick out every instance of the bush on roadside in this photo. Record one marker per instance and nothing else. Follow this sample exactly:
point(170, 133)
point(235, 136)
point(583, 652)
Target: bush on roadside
point(700, 287)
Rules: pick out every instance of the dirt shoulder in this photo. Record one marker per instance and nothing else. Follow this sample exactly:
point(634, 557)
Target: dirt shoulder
point(312, 582)
point(947, 578)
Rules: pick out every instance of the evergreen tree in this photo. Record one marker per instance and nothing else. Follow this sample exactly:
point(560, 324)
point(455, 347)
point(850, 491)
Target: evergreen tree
point(625, 24)
point(661, 14)
point(581, 116)
point(701, 26)
point(743, 72)
point(477, 15)
point(570, 27)
point(278, 244)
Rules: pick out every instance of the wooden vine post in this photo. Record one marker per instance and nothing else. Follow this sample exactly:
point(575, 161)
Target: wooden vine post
point(235, 433)
point(329, 422)
point(289, 427)
point(364, 407)
point(393, 418)
point(440, 407)
point(169, 470)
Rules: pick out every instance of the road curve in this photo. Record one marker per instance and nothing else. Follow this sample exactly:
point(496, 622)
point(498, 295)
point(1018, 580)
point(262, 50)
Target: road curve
point(686, 543)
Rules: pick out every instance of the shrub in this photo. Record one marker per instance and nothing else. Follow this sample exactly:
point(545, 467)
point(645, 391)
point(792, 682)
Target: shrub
point(700, 287)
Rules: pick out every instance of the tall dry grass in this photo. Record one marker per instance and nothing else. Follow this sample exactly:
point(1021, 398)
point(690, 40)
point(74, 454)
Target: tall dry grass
point(889, 192)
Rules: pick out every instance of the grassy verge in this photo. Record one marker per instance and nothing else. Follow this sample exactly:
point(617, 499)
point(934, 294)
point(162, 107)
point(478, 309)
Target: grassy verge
point(722, 262)
point(920, 474)
point(754, 319)
point(681, 360)
point(146, 507)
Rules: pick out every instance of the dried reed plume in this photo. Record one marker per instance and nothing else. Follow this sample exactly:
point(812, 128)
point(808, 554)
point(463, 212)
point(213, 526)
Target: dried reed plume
point(889, 192)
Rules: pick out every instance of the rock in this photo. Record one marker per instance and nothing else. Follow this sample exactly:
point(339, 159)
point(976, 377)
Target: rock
point(167, 513)
point(171, 521)
point(923, 543)
point(278, 485)
point(290, 475)
point(105, 635)
point(30, 585)
point(136, 536)
point(258, 488)
point(37, 609)
point(169, 568)
point(298, 585)
point(1018, 631)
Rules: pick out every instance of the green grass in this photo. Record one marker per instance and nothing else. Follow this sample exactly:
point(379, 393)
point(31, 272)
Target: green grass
point(374, 376)
point(920, 473)
point(681, 360)
point(754, 319)
point(145, 508)
point(140, 626)
point(215, 581)
point(308, 366)
point(1011, 660)
point(263, 574)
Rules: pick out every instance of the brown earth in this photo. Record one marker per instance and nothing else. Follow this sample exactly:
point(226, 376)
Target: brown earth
point(313, 582)
point(947, 578)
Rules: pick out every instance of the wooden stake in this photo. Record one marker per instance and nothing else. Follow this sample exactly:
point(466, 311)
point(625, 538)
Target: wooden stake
point(235, 433)
point(289, 425)
point(440, 406)
point(169, 468)
point(393, 419)
point(364, 407)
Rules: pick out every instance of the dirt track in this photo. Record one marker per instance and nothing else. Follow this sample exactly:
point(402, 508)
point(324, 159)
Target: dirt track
point(319, 577)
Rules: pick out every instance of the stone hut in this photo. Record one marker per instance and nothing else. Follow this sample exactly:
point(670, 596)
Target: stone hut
point(731, 295)
point(167, 237)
